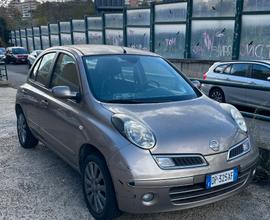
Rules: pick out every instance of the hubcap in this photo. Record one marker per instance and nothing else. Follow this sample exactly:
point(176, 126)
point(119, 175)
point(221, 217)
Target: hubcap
point(95, 187)
point(216, 95)
point(22, 128)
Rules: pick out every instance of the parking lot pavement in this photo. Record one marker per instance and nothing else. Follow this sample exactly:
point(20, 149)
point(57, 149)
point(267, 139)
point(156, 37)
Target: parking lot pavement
point(37, 184)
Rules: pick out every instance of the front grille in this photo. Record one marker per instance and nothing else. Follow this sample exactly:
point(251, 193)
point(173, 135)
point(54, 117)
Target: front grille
point(188, 161)
point(234, 152)
point(198, 192)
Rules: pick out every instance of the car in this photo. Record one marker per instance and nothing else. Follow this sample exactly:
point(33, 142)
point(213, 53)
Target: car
point(142, 136)
point(33, 56)
point(255, 73)
point(2, 55)
point(16, 55)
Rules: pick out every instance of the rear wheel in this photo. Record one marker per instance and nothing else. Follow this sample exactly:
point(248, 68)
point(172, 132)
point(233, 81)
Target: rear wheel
point(217, 94)
point(98, 189)
point(26, 138)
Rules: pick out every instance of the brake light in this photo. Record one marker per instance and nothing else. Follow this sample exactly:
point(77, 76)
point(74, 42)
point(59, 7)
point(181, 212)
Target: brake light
point(204, 76)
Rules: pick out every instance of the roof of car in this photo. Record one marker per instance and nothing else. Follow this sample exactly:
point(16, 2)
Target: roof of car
point(103, 50)
point(245, 61)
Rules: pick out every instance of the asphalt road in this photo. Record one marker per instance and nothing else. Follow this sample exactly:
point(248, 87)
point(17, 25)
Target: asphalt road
point(37, 184)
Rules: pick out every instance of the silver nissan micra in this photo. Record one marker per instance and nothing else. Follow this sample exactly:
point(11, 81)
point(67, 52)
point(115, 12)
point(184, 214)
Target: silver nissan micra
point(143, 137)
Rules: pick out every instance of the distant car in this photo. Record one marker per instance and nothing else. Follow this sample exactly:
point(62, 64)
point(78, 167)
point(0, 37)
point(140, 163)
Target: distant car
point(16, 55)
point(249, 72)
point(33, 56)
point(2, 55)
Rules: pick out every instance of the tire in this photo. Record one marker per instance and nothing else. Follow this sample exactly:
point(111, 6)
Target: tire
point(100, 197)
point(26, 138)
point(217, 94)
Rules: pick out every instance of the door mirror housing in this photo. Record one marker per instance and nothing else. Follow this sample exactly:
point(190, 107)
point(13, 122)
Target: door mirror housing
point(196, 83)
point(64, 92)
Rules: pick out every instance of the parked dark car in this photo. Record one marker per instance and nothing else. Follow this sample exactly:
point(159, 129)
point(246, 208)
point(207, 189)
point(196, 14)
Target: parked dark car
point(144, 138)
point(16, 55)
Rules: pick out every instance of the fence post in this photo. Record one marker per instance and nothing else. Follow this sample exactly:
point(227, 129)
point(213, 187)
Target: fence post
point(59, 33)
point(188, 29)
point(237, 30)
point(152, 27)
point(20, 37)
point(103, 29)
point(125, 26)
point(49, 35)
point(40, 37)
point(86, 29)
point(33, 38)
point(71, 31)
point(26, 38)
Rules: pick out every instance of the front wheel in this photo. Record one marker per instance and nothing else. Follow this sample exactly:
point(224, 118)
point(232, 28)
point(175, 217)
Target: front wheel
point(98, 189)
point(26, 138)
point(217, 94)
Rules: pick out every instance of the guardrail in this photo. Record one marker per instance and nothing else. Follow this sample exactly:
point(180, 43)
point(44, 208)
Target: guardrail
point(239, 85)
point(3, 71)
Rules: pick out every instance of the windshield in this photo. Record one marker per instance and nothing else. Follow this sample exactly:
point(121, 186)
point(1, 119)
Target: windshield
point(135, 79)
point(19, 51)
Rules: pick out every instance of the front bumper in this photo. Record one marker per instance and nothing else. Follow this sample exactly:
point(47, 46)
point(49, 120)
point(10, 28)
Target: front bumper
point(179, 189)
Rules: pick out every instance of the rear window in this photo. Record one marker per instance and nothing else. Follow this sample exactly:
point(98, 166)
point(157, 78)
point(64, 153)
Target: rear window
point(220, 68)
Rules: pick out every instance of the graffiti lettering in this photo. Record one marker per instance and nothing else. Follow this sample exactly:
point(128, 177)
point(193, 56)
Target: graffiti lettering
point(260, 51)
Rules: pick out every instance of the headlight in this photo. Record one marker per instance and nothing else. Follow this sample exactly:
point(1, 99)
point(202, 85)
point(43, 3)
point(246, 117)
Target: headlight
point(135, 131)
point(236, 115)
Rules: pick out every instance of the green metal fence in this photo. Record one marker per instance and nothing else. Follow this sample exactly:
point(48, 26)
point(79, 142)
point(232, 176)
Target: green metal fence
point(185, 29)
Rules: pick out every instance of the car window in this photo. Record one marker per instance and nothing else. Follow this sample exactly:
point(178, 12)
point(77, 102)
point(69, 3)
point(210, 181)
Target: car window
point(240, 69)
point(220, 68)
point(43, 73)
point(35, 69)
point(135, 79)
point(227, 70)
point(65, 73)
point(260, 72)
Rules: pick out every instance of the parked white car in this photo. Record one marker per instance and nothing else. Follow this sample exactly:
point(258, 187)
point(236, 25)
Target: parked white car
point(33, 56)
point(247, 72)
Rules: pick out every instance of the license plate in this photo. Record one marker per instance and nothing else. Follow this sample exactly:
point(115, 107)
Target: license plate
point(218, 179)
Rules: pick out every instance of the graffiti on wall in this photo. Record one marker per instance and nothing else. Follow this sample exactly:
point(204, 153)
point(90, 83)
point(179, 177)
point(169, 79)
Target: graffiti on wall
point(138, 38)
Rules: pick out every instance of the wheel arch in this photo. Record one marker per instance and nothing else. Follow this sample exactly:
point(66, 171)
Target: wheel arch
point(18, 109)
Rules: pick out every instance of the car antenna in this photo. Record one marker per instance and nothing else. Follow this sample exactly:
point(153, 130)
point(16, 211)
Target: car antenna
point(124, 50)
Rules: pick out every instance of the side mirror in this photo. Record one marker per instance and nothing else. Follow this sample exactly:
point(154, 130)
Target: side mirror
point(64, 92)
point(196, 83)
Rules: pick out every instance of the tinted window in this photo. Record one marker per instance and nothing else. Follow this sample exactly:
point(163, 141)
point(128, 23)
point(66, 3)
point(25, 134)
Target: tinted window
point(260, 72)
point(133, 79)
point(43, 74)
point(228, 70)
point(65, 73)
point(220, 68)
point(240, 70)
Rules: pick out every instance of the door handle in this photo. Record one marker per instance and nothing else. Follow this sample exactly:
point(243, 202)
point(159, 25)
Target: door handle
point(44, 102)
point(252, 83)
point(228, 79)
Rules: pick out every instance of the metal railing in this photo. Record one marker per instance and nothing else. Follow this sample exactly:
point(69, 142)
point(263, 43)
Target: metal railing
point(3, 72)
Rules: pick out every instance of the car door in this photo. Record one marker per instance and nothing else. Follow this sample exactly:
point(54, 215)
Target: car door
point(236, 73)
point(65, 127)
point(37, 93)
point(260, 76)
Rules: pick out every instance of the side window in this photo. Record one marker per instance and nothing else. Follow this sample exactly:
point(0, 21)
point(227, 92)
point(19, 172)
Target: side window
point(240, 69)
point(35, 70)
point(220, 68)
point(260, 72)
point(65, 73)
point(227, 70)
point(43, 73)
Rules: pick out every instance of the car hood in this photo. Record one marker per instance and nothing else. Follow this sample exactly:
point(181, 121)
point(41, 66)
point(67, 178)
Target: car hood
point(185, 126)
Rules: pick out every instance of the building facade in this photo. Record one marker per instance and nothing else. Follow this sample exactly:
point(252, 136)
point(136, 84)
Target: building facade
point(25, 8)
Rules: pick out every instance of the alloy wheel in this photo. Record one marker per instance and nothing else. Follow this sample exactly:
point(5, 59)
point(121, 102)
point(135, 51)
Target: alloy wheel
point(22, 126)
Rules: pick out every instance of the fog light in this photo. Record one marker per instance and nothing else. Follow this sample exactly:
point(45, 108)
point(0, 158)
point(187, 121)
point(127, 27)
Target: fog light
point(165, 162)
point(148, 197)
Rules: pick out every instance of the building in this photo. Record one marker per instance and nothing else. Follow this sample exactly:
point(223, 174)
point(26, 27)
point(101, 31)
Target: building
point(25, 8)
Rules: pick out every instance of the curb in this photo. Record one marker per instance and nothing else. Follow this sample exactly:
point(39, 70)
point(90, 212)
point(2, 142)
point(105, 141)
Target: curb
point(4, 83)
